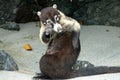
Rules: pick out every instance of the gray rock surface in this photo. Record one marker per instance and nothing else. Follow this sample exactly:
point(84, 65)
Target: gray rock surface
point(7, 62)
point(10, 26)
point(8, 10)
point(99, 12)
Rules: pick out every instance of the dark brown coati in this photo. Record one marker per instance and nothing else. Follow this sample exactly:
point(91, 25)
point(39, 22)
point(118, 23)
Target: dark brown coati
point(63, 48)
point(60, 57)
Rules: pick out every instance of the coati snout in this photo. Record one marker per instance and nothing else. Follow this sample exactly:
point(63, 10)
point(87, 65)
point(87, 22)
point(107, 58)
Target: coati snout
point(46, 37)
point(47, 34)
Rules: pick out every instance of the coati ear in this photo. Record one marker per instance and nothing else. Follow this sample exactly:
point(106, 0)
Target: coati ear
point(55, 6)
point(39, 13)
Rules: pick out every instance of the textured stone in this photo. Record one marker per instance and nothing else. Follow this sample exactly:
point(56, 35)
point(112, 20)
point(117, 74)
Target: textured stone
point(26, 12)
point(91, 12)
point(8, 10)
point(7, 62)
point(103, 12)
point(10, 26)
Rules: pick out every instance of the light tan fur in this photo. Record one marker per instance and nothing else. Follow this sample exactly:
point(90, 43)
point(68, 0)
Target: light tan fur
point(42, 29)
point(69, 24)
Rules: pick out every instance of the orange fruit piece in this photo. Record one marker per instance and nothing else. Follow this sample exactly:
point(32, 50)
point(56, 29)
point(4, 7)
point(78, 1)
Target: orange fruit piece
point(27, 47)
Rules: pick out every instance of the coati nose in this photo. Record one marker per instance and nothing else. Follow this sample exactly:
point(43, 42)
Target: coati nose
point(47, 35)
point(59, 29)
point(48, 32)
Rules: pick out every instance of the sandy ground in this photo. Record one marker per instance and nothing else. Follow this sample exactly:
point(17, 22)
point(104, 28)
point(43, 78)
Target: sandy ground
point(7, 75)
point(100, 46)
point(13, 43)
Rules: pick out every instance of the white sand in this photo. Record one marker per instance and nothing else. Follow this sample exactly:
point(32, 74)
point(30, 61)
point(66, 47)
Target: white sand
point(98, 46)
point(8, 75)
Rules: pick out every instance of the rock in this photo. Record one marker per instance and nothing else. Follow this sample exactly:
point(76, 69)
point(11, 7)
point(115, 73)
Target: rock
point(99, 12)
point(7, 62)
point(27, 9)
point(67, 7)
point(10, 26)
point(8, 10)
point(91, 12)
point(82, 64)
point(26, 12)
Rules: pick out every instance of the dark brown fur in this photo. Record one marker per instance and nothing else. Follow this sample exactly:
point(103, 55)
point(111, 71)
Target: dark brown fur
point(48, 13)
point(63, 51)
point(60, 56)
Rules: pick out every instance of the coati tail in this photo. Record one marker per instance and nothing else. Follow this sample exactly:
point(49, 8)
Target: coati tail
point(94, 71)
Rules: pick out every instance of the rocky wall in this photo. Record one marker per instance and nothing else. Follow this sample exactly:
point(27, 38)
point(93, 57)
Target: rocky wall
point(90, 12)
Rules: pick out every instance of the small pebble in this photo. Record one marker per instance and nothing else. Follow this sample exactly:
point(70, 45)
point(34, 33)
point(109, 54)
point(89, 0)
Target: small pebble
point(107, 30)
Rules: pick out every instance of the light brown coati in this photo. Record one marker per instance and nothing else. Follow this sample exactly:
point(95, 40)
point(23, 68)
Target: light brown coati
point(63, 49)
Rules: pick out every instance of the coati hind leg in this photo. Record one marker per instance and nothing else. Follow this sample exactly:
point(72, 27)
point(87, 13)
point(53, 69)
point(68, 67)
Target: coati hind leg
point(75, 40)
point(60, 56)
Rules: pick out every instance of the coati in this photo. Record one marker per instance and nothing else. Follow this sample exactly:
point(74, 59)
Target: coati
point(52, 17)
point(63, 48)
point(61, 56)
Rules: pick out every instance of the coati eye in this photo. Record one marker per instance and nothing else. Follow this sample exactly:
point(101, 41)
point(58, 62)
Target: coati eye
point(48, 21)
point(56, 18)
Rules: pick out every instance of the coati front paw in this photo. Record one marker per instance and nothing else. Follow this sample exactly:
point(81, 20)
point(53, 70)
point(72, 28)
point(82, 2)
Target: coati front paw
point(57, 28)
point(39, 76)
